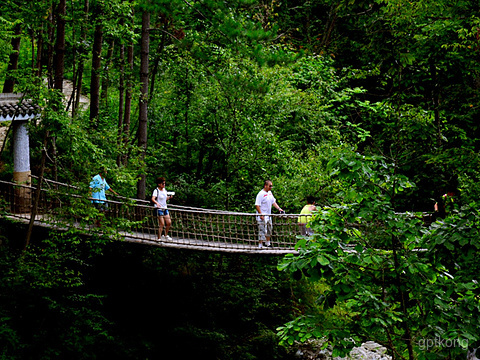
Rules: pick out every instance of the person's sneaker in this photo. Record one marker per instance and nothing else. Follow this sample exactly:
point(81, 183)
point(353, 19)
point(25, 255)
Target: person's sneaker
point(168, 238)
point(162, 238)
point(269, 245)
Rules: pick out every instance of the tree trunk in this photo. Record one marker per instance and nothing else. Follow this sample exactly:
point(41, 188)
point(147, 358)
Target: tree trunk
point(39, 60)
point(81, 61)
point(50, 50)
point(105, 77)
point(156, 62)
point(128, 103)
point(121, 99)
point(329, 27)
point(436, 101)
point(9, 84)
point(38, 191)
point(59, 55)
point(96, 67)
point(143, 105)
point(58, 68)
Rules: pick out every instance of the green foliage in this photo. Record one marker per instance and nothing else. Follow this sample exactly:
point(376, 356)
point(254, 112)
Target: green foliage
point(5, 35)
point(241, 124)
point(398, 282)
point(47, 310)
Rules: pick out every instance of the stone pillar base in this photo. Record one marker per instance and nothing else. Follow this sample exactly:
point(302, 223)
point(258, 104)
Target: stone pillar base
point(23, 195)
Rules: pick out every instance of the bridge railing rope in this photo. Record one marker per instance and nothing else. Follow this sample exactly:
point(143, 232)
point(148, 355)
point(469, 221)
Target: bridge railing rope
point(135, 220)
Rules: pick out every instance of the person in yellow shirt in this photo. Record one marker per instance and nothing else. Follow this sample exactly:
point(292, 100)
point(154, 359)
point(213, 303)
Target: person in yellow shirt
point(307, 212)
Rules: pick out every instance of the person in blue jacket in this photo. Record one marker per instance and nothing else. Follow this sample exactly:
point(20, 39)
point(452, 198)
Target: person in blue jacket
point(98, 187)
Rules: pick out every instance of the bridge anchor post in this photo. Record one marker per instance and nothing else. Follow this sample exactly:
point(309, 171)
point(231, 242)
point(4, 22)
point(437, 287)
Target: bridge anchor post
point(21, 167)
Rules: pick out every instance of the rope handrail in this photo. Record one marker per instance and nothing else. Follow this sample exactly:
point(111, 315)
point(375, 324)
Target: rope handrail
point(140, 201)
point(70, 194)
point(147, 203)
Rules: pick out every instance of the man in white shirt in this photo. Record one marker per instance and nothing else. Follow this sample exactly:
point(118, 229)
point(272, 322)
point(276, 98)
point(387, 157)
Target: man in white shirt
point(263, 204)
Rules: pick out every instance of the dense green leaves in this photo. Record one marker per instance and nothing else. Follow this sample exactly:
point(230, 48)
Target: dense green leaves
point(399, 281)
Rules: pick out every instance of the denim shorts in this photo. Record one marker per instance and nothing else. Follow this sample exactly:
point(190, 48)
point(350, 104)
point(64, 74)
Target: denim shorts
point(162, 212)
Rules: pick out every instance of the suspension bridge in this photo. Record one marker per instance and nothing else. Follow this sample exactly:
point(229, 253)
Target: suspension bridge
point(59, 206)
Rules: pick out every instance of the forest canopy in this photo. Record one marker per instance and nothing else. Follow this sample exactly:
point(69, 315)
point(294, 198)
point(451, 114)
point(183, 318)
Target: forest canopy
point(219, 97)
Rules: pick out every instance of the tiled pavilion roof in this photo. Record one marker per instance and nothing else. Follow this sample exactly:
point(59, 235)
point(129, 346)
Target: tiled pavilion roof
point(12, 109)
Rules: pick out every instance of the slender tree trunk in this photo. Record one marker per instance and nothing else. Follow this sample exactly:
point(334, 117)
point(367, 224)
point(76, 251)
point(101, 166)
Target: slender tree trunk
point(96, 67)
point(9, 84)
point(124, 129)
point(329, 26)
point(39, 60)
point(71, 99)
point(81, 61)
point(400, 287)
point(407, 338)
point(50, 50)
point(36, 199)
point(32, 39)
point(435, 101)
point(128, 103)
point(78, 86)
point(121, 99)
point(59, 68)
point(106, 72)
point(188, 155)
point(143, 105)
point(156, 62)
point(59, 55)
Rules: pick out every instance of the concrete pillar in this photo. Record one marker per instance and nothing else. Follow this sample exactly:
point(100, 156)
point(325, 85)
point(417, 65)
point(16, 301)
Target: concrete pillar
point(21, 166)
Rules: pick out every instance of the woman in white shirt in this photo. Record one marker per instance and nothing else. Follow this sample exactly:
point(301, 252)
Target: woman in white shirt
point(159, 198)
